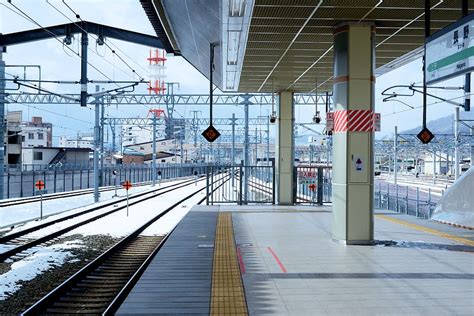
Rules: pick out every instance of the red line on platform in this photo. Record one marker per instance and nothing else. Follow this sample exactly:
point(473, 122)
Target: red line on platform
point(241, 261)
point(282, 267)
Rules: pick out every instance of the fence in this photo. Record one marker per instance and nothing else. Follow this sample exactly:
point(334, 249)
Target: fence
point(239, 184)
point(312, 185)
point(20, 183)
point(407, 200)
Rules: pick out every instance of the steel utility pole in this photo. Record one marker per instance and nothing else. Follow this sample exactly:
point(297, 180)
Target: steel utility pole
point(233, 148)
point(456, 142)
point(96, 145)
point(246, 104)
point(101, 177)
point(268, 140)
point(434, 166)
point(395, 155)
point(2, 123)
point(153, 162)
point(472, 147)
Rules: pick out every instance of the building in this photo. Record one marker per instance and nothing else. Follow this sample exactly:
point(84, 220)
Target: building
point(80, 141)
point(54, 156)
point(20, 134)
point(36, 133)
point(13, 138)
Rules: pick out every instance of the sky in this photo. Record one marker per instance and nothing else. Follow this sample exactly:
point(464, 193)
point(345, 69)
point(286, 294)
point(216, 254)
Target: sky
point(58, 63)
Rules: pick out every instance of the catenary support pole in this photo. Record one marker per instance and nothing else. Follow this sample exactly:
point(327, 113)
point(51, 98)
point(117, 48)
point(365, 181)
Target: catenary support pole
point(246, 104)
point(102, 153)
point(395, 155)
point(84, 43)
point(96, 145)
point(153, 162)
point(472, 147)
point(2, 124)
point(233, 149)
point(456, 142)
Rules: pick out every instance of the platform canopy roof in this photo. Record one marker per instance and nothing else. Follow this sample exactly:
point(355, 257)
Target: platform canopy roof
point(267, 45)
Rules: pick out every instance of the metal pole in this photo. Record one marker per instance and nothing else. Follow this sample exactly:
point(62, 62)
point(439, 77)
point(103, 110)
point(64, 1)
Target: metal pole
point(84, 43)
point(417, 201)
point(434, 167)
point(467, 82)
point(246, 146)
point(472, 146)
point(233, 149)
point(41, 205)
point(96, 146)
point(456, 142)
point(395, 155)
point(2, 123)
point(101, 177)
point(127, 202)
point(256, 146)
point(153, 159)
point(268, 148)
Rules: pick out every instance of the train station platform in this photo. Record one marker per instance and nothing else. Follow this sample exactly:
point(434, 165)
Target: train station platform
point(281, 260)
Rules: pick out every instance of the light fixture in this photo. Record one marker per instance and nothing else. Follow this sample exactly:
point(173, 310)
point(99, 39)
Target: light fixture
point(233, 40)
point(236, 8)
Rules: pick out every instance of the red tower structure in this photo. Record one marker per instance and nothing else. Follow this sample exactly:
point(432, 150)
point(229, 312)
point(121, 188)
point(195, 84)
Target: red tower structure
point(157, 67)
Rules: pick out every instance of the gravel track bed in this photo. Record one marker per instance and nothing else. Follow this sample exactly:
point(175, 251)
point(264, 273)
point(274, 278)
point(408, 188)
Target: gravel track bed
point(33, 290)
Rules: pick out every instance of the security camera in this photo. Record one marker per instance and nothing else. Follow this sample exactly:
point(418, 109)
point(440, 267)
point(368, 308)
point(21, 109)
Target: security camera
point(273, 118)
point(317, 118)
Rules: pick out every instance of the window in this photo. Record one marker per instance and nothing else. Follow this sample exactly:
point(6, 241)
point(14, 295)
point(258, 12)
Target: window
point(37, 155)
point(40, 136)
point(163, 160)
point(142, 147)
point(31, 136)
point(23, 138)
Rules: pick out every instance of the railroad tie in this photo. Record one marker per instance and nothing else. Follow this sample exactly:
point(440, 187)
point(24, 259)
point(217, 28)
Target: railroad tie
point(227, 293)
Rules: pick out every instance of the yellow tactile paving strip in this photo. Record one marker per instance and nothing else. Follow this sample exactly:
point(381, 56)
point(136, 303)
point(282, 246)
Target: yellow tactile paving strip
point(461, 240)
point(227, 296)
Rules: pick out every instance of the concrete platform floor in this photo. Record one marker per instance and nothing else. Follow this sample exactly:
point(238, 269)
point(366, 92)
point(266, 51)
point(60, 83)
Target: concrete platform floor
point(291, 266)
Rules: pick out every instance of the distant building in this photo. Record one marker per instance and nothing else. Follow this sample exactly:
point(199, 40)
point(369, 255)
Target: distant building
point(80, 141)
point(13, 138)
point(55, 156)
point(36, 133)
point(20, 134)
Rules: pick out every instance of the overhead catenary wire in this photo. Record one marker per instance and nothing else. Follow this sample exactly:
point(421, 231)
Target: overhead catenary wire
point(29, 18)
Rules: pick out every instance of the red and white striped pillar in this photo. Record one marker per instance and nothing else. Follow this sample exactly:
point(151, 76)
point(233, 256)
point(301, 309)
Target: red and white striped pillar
point(353, 168)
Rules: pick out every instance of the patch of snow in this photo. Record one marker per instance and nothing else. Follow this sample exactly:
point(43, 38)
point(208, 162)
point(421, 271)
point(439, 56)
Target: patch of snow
point(29, 267)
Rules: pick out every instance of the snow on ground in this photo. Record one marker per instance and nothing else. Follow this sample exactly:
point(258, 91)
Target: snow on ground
point(118, 224)
point(30, 211)
point(29, 267)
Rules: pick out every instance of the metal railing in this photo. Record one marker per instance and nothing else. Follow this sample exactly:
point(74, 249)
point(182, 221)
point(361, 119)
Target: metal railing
point(406, 200)
point(312, 185)
point(245, 184)
point(21, 183)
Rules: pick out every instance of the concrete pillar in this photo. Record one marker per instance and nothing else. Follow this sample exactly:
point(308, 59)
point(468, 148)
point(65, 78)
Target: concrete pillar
point(353, 168)
point(284, 149)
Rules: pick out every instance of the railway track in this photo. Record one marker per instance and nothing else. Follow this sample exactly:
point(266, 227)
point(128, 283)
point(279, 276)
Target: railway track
point(61, 195)
point(101, 286)
point(20, 242)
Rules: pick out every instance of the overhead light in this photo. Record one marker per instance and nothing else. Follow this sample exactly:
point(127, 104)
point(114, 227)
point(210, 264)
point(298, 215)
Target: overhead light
point(236, 8)
point(230, 79)
point(233, 41)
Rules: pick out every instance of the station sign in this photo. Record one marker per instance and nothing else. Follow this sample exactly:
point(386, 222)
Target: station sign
point(307, 177)
point(450, 51)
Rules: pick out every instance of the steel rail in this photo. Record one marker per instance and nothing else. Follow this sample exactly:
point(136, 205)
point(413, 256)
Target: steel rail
point(49, 299)
point(60, 232)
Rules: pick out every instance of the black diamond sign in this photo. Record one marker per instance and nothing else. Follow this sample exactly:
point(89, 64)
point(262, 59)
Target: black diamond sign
point(425, 136)
point(211, 134)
